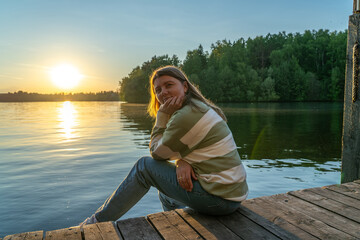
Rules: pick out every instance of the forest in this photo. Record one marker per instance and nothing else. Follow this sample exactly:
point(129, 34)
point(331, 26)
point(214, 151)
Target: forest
point(308, 66)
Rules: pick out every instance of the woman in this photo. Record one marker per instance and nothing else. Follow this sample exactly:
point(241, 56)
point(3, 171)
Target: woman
point(207, 176)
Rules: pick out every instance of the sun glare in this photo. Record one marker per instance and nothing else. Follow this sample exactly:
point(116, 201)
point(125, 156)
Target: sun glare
point(65, 76)
point(67, 118)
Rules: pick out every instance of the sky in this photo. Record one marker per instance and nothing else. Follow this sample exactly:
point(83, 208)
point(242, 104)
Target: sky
point(105, 40)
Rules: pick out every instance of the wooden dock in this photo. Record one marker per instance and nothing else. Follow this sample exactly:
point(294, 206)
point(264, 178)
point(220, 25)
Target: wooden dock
point(331, 212)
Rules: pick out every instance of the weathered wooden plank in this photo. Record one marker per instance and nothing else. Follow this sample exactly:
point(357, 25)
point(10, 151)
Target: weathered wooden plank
point(271, 227)
point(103, 230)
point(324, 202)
point(267, 211)
point(336, 196)
point(307, 223)
point(72, 233)
point(352, 185)
point(171, 226)
point(137, 229)
point(108, 231)
point(245, 228)
point(37, 235)
point(91, 232)
point(207, 226)
point(348, 189)
point(357, 181)
point(330, 218)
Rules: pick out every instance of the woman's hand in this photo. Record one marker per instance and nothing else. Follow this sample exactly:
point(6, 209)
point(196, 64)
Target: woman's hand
point(171, 105)
point(185, 173)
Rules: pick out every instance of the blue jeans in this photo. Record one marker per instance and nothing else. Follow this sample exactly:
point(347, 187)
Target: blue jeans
point(147, 173)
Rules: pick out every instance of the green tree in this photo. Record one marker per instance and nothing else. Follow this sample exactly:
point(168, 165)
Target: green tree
point(267, 88)
point(288, 75)
point(194, 65)
point(308, 66)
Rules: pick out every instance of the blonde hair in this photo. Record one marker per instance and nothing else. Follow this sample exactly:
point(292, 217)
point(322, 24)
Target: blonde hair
point(193, 92)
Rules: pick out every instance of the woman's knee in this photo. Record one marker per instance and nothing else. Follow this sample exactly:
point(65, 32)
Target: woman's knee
point(146, 162)
point(148, 165)
point(143, 162)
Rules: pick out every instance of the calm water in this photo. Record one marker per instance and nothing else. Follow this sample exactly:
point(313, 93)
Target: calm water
point(60, 160)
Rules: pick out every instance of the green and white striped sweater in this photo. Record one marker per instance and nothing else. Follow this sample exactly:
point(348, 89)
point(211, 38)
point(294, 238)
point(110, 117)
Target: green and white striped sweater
point(202, 138)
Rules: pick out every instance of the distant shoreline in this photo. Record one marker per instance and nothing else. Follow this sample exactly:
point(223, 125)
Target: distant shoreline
point(21, 96)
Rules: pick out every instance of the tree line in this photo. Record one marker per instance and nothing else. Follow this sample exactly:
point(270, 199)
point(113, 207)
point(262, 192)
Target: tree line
point(308, 66)
point(21, 96)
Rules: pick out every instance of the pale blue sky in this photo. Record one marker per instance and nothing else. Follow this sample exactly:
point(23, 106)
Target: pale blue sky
point(105, 40)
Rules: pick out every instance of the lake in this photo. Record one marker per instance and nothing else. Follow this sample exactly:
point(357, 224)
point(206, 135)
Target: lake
point(59, 161)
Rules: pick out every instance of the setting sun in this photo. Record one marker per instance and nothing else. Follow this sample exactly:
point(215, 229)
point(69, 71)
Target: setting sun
point(65, 76)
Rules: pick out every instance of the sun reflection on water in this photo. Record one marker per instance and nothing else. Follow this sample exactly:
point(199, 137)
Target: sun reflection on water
point(68, 120)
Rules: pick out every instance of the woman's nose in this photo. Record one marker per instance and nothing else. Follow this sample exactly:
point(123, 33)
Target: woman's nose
point(164, 92)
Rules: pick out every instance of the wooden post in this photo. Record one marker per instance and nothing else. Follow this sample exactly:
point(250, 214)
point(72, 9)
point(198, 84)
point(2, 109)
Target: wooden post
point(350, 169)
point(356, 6)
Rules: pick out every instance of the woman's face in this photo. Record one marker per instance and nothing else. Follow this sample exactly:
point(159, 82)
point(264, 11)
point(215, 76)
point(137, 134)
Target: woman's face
point(166, 87)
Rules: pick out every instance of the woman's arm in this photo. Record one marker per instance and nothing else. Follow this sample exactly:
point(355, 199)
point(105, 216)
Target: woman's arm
point(158, 148)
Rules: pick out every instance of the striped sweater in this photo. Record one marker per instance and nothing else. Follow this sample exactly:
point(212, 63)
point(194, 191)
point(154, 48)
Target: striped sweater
point(202, 138)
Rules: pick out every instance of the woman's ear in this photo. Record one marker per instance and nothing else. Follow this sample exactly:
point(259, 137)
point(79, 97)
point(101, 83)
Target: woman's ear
point(186, 86)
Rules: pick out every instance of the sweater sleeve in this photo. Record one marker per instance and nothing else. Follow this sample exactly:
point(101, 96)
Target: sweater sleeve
point(165, 141)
